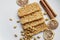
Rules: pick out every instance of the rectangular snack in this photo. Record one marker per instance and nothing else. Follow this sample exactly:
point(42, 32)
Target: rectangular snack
point(40, 28)
point(36, 29)
point(34, 16)
point(34, 23)
point(28, 9)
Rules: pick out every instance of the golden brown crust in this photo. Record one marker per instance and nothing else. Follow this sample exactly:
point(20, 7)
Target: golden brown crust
point(36, 29)
point(29, 18)
point(28, 9)
point(34, 23)
point(32, 19)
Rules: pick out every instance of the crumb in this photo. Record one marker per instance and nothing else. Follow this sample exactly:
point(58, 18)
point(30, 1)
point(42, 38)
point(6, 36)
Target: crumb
point(38, 37)
point(20, 38)
point(22, 32)
point(10, 19)
point(24, 38)
point(45, 13)
point(15, 35)
point(18, 21)
point(15, 27)
point(31, 37)
point(46, 19)
point(34, 38)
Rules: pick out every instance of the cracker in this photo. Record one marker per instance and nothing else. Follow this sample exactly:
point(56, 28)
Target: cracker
point(28, 9)
point(34, 16)
point(36, 29)
point(35, 23)
point(40, 28)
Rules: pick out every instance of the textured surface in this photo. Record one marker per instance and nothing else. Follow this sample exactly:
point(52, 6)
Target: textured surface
point(35, 20)
point(36, 29)
point(34, 23)
point(28, 9)
point(29, 18)
point(8, 9)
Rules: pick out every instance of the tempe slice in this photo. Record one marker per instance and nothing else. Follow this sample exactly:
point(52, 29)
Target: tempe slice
point(28, 9)
point(34, 23)
point(34, 16)
point(35, 30)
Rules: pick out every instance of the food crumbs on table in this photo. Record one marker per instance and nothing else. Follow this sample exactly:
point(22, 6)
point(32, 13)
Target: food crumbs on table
point(22, 31)
point(15, 27)
point(46, 19)
point(18, 21)
point(22, 34)
point(38, 37)
point(20, 38)
point(34, 38)
point(10, 19)
point(45, 13)
point(15, 35)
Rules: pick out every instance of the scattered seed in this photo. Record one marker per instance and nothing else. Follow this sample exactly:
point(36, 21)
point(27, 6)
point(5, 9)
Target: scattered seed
point(46, 19)
point(10, 19)
point(15, 27)
point(45, 13)
point(18, 21)
point(20, 38)
point(31, 37)
point(38, 37)
point(24, 38)
point(22, 32)
point(15, 35)
point(34, 38)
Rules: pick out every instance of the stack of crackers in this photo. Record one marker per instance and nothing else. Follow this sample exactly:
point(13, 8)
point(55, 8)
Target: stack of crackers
point(32, 19)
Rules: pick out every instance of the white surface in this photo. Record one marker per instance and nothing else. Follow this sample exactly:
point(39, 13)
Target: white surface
point(8, 9)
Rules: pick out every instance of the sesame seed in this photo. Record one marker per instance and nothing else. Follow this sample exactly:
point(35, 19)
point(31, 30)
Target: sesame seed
point(15, 35)
point(34, 38)
point(22, 34)
point(18, 21)
point(38, 37)
point(45, 13)
point(10, 19)
point(15, 27)
point(22, 31)
point(46, 19)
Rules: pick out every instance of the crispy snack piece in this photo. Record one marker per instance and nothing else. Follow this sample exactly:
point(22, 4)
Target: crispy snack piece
point(28, 9)
point(36, 29)
point(34, 16)
point(34, 23)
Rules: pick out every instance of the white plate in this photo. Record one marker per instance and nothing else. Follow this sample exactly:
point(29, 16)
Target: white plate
point(8, 9)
